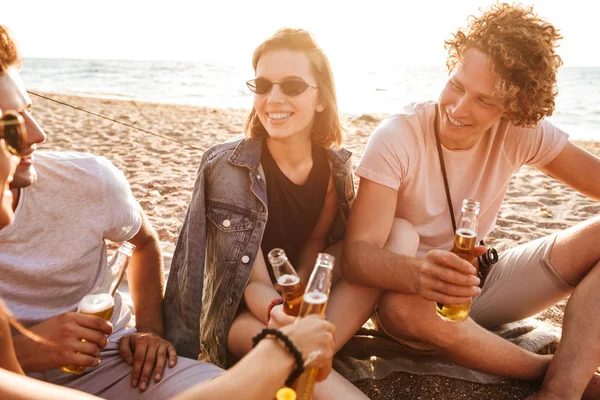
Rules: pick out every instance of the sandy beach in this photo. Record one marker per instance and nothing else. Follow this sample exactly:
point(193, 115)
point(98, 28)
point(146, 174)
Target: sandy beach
point(162, 174)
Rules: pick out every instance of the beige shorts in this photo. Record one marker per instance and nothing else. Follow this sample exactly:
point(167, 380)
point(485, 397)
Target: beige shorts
point(521, 284)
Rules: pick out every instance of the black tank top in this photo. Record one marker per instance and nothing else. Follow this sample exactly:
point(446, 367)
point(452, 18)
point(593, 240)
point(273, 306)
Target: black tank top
point(293, 209)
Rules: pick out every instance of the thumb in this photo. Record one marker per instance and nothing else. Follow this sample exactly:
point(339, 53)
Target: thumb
point(125, 349)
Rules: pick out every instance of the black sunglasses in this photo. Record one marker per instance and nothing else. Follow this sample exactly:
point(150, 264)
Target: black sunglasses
point(290, 87)
point(12, 130)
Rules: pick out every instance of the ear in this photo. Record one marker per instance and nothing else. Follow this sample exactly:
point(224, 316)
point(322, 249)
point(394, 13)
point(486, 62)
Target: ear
point(320, 108)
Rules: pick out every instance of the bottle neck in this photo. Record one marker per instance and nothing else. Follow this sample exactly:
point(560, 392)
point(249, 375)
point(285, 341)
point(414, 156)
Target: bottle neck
point(468, 221)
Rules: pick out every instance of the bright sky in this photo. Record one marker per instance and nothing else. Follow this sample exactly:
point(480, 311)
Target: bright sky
point(350, 31)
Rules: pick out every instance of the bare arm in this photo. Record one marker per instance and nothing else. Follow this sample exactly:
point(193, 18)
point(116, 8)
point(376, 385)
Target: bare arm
point(146, 349)
point(577, 168)
point(264, 370)
point(364, 261)
point(19, 387)
point(318, 237)
point(146, 279)
point(260, 291)
point(442, 276)
point(8, 357)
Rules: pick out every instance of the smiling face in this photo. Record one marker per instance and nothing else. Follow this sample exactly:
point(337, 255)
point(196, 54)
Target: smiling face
point(13, 96)
point(468, 107)
point(286, 117)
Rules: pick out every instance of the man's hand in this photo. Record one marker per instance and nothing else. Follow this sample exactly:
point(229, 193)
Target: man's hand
point(62, 342)
point(279, 318)
point(146, 350)
point(446, 278)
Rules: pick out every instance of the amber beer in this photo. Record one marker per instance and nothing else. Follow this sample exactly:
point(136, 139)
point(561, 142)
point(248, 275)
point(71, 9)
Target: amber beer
point(314, 301)
point(100, 305)
point(465, 239)
point(291, 291)
point(288, 280)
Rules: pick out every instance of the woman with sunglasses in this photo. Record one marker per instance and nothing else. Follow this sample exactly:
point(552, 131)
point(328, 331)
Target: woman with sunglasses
point(288, 184)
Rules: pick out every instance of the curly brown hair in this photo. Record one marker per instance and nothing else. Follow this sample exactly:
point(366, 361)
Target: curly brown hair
point(9, 54)
point(327, 129)
point(522, 47)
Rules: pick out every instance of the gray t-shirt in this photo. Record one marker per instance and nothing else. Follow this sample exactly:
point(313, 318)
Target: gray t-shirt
point(54, 253)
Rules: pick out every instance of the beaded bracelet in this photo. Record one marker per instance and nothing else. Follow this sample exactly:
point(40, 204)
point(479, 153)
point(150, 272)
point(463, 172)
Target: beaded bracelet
point(291, 348)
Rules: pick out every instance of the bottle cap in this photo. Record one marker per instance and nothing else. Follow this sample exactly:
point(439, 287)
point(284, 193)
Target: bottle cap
point(286, 393)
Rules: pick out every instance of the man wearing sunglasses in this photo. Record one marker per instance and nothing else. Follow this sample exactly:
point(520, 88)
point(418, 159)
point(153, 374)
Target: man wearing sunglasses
point(66, 205)
point(418, 167)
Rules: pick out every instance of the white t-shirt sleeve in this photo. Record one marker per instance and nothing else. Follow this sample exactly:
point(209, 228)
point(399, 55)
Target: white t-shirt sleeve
point(122, 211)
point(385, 160)
point(538, 146)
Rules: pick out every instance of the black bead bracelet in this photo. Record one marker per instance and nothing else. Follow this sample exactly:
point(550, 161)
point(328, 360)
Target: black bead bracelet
point(291, 348)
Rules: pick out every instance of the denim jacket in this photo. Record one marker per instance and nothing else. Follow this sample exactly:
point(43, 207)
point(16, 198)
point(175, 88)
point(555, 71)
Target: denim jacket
point(219, 240)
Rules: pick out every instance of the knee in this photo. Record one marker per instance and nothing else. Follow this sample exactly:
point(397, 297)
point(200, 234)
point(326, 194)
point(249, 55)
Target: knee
point(409, 317)
point(403, 238)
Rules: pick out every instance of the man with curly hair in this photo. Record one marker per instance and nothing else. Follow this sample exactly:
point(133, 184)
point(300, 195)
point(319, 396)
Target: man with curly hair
point(487, 123)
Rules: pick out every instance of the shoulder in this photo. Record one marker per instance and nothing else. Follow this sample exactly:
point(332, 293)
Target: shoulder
point(406, 128)
point(223, 150)
point(73, 164)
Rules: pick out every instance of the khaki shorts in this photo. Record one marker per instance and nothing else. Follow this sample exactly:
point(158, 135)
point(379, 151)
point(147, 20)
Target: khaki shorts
point(521, 284)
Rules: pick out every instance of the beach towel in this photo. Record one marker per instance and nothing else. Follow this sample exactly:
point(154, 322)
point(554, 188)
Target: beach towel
point(371, 354)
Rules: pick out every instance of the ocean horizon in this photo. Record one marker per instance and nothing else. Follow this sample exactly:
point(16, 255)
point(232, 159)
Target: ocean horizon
point(380, 89)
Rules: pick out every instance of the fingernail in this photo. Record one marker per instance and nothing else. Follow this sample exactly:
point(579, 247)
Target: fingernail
point(157, 377)
point(143, 386)
point(134, 383)
point(97, 361)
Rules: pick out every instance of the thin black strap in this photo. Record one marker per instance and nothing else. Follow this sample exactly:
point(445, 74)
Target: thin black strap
point(439, 150)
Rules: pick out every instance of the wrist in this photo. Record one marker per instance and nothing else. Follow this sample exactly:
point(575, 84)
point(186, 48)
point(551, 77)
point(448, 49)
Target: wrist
point(285, 342)
point(148, 329)
point(274, 302)
point(416, 265)
point(26, 352)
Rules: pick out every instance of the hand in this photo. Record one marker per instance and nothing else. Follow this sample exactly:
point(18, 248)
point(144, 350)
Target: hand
point(62, 343)
point(146, 350)
point(446, 278)
point(279, 318)
point(313, 335)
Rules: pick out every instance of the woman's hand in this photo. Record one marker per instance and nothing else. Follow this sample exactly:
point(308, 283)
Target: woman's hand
point(314, 338)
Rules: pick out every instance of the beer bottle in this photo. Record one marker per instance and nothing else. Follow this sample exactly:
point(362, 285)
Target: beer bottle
point(288, 280)
point(100, 302)
point(314, 301)
point(465, 239)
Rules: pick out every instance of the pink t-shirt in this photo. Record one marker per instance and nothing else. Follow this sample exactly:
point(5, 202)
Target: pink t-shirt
point(401, 154)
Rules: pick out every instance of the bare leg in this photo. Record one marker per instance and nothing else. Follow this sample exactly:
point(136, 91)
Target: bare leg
point(337, 387)
point(575, 257)
point(349, 306)
point(411, 318)
point(244, 328)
